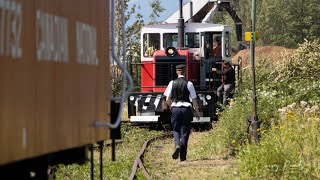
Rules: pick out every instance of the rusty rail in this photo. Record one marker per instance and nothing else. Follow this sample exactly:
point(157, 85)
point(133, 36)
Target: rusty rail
point(139, 163)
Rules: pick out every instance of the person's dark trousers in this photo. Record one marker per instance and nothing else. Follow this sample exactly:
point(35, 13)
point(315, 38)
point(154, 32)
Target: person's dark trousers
point(220, 91)
point(223, 93)
point(181, 124)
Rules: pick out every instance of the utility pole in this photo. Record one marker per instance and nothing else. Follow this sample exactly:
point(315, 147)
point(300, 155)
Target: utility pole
point(254, 120)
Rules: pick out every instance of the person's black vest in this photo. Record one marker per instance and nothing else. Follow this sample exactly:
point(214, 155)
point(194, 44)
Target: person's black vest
point(180, 90)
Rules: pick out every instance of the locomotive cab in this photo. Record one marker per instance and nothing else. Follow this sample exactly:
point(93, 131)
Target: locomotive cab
point(159, 57)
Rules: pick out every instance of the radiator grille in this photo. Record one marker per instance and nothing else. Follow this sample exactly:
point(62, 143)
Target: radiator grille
point(166, 69)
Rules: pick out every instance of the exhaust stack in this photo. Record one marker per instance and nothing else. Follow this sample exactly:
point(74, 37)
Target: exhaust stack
point(181, 28)
point(191, 12)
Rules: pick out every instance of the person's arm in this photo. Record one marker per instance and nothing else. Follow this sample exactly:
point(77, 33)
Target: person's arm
point(167, 93)
point(224, 72)
point(169, 101)
point(193, 96)
point(196, 107)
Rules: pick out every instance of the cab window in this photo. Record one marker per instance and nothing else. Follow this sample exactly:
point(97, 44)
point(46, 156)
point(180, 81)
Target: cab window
point(151, 43)
point(227, 44)
point(192, 40)
point(170, 40)
point(213, 44)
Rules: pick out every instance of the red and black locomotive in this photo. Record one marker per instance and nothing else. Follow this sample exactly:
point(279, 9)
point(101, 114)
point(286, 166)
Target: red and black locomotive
point(160, 55)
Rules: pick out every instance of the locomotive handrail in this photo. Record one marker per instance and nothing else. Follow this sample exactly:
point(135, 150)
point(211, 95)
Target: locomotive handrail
point(207, 86)
point(210, 79)
point(190, 62)
point(150, 86)
point(194, 62)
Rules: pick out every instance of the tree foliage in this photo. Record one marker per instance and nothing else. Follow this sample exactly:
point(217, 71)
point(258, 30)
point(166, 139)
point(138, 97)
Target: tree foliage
point(116, 74)
point(303, 64)
point(133, 44)
point(288, 23)
point(157, 9)
point(280, 22)
point(132, 38)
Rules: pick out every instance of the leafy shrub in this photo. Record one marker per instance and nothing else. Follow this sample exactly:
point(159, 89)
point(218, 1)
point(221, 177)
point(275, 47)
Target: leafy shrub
point(302, 64)
point(289, 150)
point(230, 130)
point(289, 144)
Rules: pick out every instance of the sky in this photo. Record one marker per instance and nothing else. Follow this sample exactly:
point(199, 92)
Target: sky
point(171, 6)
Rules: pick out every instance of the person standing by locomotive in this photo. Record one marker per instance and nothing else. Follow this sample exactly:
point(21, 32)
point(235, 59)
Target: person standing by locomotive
point(216, 51)
point(178, 95)
point(229, 82)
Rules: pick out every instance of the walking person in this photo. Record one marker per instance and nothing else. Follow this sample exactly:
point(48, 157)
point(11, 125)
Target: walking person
point(178, 95)
point(228, 85)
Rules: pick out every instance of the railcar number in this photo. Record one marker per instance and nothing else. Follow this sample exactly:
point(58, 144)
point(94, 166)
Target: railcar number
point(51, 34)
point(10, 29)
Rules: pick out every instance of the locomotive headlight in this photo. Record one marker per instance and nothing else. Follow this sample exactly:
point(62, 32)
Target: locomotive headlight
point(171, 51)
point(131, 98)
point(208, 97)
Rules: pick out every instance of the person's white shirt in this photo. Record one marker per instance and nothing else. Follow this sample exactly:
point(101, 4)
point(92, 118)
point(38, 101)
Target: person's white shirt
point(175, 44)
point(192, 95)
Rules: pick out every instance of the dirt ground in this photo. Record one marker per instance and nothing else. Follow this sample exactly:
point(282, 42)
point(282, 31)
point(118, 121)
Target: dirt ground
point(273, 52)
point(205, 166)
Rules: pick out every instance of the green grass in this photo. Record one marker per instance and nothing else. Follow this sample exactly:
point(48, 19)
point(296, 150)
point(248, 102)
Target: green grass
point(126, 153)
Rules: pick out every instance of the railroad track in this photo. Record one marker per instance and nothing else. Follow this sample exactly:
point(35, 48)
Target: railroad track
point(152, 126)
point(139, 159)
point(154, 160)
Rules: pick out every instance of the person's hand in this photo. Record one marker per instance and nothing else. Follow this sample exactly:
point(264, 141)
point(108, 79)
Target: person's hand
point(198, 115)
point(214, 69)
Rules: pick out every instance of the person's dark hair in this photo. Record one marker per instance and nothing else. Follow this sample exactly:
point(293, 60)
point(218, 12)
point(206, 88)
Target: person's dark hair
point(227, 63)
point(218, 38)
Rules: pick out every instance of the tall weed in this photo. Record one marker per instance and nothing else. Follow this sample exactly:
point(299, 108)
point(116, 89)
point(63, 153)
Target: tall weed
point(290, 150)
point(289, 145)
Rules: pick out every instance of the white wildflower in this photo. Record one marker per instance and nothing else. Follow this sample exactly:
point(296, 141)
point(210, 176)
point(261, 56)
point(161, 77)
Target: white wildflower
point(303, 103)
point(291, 106)
point(307, 110)
point(282, 110)
point(315, 108)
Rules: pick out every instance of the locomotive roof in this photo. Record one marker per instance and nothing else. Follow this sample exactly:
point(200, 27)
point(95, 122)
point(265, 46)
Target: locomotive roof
point(189, 27)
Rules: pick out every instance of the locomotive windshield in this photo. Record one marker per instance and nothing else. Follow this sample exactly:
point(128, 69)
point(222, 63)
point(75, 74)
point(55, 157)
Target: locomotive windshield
point(192, 40)
point(151, 43)
point(170, 40)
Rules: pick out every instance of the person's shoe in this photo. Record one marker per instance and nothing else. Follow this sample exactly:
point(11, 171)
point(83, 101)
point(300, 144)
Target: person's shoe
point(176, 152)
point(182, 160)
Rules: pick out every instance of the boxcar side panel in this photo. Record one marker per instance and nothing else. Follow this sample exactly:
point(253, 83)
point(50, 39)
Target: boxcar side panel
point(54, 76)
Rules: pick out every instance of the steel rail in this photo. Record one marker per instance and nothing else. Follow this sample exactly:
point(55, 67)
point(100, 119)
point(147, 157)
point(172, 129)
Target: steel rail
point(139, 159)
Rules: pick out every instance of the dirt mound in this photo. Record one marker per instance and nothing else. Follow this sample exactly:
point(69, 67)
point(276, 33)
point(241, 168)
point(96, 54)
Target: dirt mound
point(271, 52)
